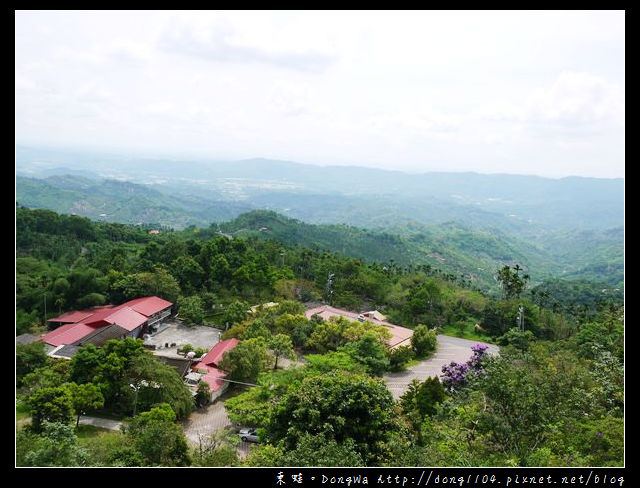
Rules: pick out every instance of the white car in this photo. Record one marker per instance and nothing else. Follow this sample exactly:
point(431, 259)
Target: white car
point(248, 435)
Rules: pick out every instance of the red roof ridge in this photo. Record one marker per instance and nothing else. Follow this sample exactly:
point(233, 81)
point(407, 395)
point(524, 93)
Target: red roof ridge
point(146, 306)
point(215, 354)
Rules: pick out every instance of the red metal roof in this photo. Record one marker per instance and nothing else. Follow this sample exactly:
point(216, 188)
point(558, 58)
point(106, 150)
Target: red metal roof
point(72, 317)
point(100, 315)
point(126, 318)
point(68, 334)
point(144, 306)
point(148, 305)
point(212, 376)
point(214, 356)
point(129, 316)
point(56, 332)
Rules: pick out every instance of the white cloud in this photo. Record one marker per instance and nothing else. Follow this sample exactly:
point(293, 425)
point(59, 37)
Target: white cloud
point(524, 92)
point(577, 100)
point(219, 42)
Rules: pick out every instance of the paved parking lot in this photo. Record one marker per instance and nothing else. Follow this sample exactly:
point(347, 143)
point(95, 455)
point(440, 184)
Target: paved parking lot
point(449, 349)
point(176, 332)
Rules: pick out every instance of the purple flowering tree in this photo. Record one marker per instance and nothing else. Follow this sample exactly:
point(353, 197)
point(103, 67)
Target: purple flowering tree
point(479, 353)
point(456, 375)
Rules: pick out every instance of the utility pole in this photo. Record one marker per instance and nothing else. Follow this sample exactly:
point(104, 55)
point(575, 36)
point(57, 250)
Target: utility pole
point(329, 287)
point(135, 398)
point(45, 307)
point(521, 318)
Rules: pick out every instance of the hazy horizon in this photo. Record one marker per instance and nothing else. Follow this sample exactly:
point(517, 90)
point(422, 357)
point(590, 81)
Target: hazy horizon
point(508, 92)
point(208, 160)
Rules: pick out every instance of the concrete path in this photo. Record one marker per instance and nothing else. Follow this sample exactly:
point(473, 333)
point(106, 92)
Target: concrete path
point(449, 349)
point(100, 422)
point(206, 421)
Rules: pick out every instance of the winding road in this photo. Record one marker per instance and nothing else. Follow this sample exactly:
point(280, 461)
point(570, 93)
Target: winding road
point(449, 349)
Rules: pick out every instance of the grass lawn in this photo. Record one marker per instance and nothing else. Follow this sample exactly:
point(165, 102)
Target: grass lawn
point(214, 320)
point(100, 443)
point(23, 416)
point(89, 431)
point(416, 361)
point(232, 391)
point(468, 332)
point(22, 411)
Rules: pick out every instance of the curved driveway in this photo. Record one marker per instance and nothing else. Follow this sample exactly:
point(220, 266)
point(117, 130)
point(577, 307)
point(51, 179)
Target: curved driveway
point(449, 349)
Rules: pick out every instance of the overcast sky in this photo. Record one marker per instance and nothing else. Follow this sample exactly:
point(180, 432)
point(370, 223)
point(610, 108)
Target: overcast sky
point(515, 92)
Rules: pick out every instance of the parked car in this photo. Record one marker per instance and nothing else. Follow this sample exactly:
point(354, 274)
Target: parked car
point(248, 435)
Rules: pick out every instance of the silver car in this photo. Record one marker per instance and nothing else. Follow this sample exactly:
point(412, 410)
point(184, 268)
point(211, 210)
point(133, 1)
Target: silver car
point(248, 435)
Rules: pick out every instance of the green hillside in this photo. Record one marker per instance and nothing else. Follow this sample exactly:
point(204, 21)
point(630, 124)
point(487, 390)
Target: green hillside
point(463, 247)
point(471, 254)
point(120, 201)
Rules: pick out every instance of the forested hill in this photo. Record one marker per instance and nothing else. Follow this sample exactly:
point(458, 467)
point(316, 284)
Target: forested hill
point(121, 201)
point(68, 262)
point(472, 254)
point(364, 244)
point(78, 263)
point(465, 239)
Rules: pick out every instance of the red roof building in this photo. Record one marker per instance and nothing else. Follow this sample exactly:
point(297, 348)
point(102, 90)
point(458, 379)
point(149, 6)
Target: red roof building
point(209, 364)
point(400, 336)
point(126, 318)
point(73, 317)
point(132, 316)
point(214, 356)
point(149, 306)
point(213, 377)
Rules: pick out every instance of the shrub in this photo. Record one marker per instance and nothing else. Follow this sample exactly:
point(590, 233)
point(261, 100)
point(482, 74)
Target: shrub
point(399, 357)
point(423, 341)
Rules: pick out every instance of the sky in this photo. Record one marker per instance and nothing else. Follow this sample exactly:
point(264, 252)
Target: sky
point(493, 92)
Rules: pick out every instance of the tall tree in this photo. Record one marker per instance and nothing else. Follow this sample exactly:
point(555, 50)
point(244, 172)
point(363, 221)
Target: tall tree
point(512, 283)
point(56, 445)
point(370, 352)
point(281, 346)
point(158, 437)
point(29, 357)
point(85, 398)
point(191, 309)
point(340, 406)
point(50, 404)
point(246, 361)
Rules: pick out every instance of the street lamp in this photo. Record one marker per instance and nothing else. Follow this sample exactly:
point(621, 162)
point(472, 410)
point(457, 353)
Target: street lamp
point(135, 398)
point(330, 287)
point(136, 388)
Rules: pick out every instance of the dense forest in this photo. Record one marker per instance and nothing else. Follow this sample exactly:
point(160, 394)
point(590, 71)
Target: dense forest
point(333, 408)
point(504, 220)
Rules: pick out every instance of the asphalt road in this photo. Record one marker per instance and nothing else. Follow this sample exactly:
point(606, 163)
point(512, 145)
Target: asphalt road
point(449, 349)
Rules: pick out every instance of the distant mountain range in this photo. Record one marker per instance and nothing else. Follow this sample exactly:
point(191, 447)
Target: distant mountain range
point(466, 223)
point(359, 196)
